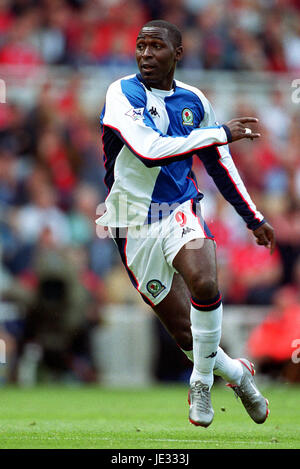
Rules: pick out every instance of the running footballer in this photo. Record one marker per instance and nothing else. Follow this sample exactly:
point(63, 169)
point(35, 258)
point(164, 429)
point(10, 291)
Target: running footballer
point(152, 125)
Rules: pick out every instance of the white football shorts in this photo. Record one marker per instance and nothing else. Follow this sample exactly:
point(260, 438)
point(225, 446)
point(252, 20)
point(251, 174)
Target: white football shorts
point(148, 251)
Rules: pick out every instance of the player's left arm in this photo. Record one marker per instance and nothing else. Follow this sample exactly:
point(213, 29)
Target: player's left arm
point(265, 236)
point(220, 166)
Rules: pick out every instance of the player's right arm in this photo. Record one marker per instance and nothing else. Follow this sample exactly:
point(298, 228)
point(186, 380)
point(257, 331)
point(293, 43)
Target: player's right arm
point(127, 115)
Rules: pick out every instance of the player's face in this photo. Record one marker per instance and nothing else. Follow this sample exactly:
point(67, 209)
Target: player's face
point(156, 57)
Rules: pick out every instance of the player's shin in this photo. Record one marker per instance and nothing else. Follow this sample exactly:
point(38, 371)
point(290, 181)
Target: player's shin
point(206, 325)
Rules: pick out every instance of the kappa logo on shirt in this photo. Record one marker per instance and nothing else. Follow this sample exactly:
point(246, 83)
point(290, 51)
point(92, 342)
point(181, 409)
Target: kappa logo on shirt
point(153, 112)
point(135, 113)
point(186, 231)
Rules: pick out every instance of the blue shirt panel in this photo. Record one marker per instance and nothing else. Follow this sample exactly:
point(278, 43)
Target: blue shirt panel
point(183, 104)
point(173, 183)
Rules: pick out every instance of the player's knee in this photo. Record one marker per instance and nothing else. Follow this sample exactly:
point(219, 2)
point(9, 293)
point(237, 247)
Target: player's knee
point(204, 288)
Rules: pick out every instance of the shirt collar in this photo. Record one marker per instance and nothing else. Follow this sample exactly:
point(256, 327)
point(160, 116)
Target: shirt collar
point(140, 78)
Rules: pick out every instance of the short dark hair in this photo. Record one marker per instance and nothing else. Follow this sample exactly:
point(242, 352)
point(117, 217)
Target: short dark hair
point(172, 29)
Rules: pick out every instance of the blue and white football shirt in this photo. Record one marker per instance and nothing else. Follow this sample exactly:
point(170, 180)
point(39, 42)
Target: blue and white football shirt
point(149, 137)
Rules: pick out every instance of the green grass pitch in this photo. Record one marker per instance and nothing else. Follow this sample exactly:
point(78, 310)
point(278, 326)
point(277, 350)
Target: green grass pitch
point(156, 417)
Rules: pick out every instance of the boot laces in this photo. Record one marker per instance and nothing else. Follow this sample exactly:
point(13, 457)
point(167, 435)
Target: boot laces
point(202, 397)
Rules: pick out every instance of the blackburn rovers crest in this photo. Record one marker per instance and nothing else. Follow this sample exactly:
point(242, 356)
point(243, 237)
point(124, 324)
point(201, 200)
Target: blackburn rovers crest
point(155, 287)
point(187, 117)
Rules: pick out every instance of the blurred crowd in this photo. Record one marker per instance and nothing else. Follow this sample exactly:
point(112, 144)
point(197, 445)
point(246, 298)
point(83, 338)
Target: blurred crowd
point(231, 34)
point(52, 262)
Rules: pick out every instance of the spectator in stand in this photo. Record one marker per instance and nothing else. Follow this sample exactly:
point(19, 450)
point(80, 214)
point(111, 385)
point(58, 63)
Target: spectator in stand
point(271, 343)
point(116, 36)
point(81, 217)
point(41, 213)
point(287, 223)
point(50, 37)
point(291, 42)
point(60, 161)
point(8, 178)
point(18, 47)
point(276, 118)
point(192, 45)
point(255, 276)
point(13, 136)
point(61, 299)
point(272, 41)
point(6, 19)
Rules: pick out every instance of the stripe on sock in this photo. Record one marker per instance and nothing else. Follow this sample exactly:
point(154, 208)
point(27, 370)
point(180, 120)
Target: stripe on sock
point(207, 305)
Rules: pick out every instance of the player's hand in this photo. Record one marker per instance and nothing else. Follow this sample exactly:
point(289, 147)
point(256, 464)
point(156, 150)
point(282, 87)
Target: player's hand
point(239, 129)
point(265, 236)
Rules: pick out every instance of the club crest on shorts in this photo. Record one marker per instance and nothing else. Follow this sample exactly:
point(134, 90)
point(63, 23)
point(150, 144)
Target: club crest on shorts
point(187, 117)
point(155, 287)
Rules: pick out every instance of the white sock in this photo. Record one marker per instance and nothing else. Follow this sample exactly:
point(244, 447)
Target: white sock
point(206, 328)
point(229, 369)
